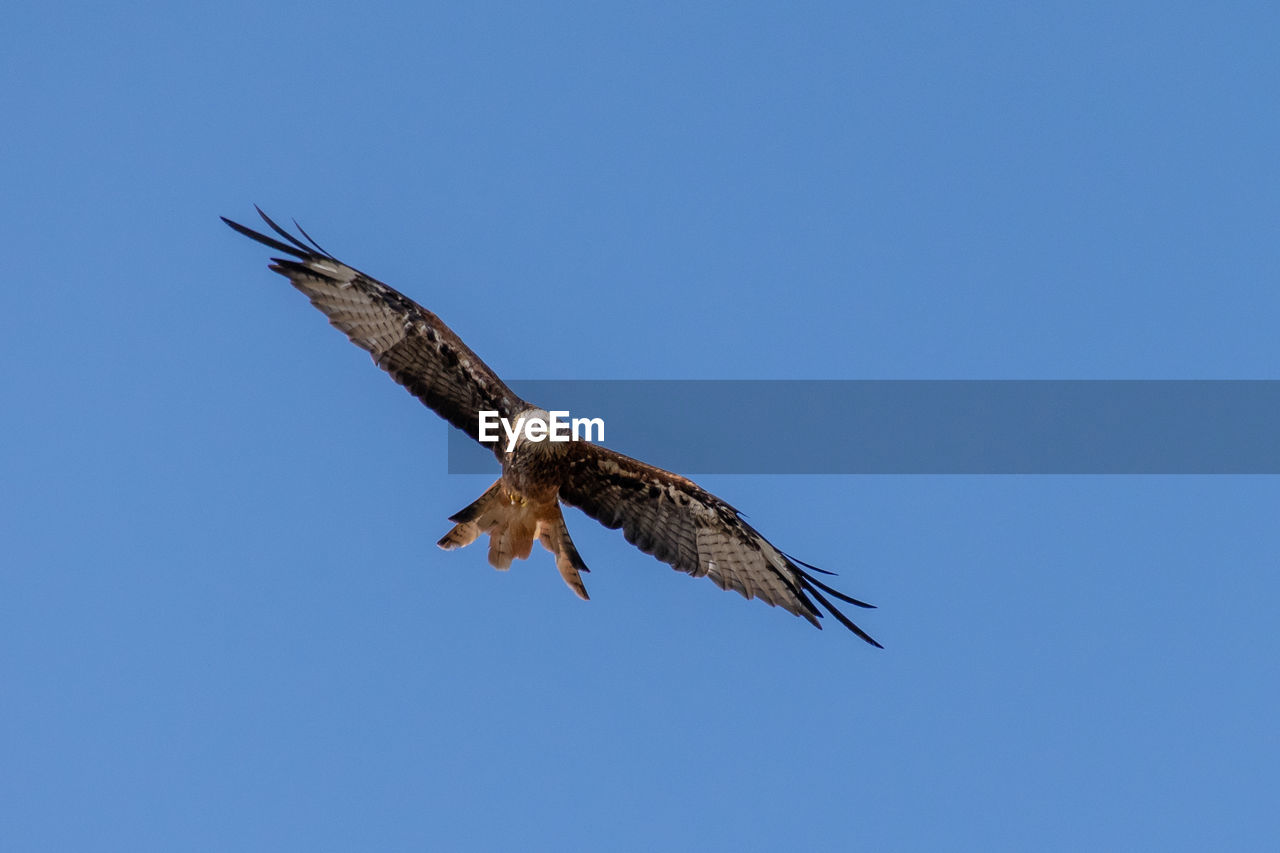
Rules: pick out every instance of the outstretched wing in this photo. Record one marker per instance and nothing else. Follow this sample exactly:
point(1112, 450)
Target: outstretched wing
point(405, 339)
point(692, 530)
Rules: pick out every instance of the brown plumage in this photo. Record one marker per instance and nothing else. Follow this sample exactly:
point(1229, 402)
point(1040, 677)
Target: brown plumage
point(659, 512)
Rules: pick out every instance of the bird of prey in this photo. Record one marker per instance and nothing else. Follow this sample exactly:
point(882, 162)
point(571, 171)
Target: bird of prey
point(661, 513)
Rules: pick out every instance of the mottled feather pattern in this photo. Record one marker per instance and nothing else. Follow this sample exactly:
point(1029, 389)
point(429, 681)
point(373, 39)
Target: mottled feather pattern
point(409, 342)
point(692, 530)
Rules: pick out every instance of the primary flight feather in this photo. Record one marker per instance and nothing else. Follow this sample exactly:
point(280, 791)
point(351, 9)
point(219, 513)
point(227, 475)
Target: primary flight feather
point(661, 513)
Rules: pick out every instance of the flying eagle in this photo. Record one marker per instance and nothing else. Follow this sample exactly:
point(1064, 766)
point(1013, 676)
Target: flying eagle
point(661, 513)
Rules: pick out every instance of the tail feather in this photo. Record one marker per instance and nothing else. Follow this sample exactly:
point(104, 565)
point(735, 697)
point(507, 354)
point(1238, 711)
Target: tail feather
point(473, 510)
point(460, 536)
point(500, 554)
point(554, 536)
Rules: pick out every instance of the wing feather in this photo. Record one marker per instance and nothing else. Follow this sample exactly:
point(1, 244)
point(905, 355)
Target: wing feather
point(659, 512)
point(693, 531)
point(409, 342)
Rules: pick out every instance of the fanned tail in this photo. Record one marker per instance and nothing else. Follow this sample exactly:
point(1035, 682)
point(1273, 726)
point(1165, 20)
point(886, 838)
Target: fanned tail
point(512, 529)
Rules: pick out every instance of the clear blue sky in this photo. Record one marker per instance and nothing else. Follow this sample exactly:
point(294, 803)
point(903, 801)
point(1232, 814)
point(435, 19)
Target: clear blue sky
point(224, 624)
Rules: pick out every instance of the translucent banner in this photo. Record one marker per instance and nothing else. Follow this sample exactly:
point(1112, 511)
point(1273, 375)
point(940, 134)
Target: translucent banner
point(920, 426)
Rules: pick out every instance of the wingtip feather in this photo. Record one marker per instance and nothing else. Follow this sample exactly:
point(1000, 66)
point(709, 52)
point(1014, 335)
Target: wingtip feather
point(835, 611)
point(270, 242)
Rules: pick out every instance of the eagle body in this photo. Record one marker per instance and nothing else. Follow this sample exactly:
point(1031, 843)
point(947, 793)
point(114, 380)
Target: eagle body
point(535, 469)
point(659, 512)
